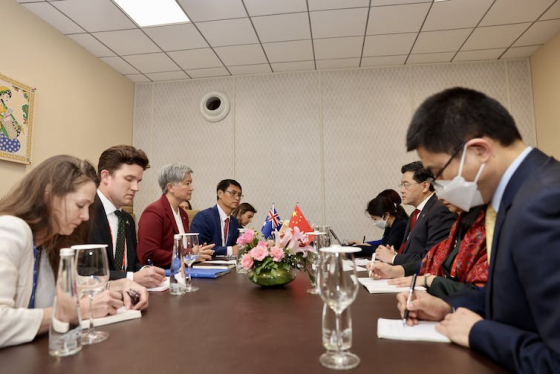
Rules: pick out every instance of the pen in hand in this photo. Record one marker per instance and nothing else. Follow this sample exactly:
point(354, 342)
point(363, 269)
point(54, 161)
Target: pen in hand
point(371, 264)
point(149, 263)
point(409, 299)
point(364, 241)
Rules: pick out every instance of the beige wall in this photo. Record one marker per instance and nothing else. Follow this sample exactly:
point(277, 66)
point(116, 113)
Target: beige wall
point(82, 105)
point(545, 66)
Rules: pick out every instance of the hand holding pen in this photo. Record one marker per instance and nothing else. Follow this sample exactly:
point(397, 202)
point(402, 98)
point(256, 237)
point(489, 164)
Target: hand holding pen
point(371, 264)
point(409, 298)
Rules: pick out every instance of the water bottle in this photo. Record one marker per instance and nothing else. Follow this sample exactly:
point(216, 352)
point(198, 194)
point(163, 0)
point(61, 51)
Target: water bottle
point(65, 330)
point(329, 329)
point(177, 282)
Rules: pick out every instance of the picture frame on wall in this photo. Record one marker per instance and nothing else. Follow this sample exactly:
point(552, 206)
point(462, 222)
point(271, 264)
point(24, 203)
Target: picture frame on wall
point(16, 120)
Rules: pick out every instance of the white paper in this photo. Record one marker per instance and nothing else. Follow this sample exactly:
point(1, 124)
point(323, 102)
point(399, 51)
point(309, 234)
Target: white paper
point(347, 265)
point(423, 331)
point(362, 261)
point(381, 286)
point(164, 286)
point(222, 262)
point(123, 314)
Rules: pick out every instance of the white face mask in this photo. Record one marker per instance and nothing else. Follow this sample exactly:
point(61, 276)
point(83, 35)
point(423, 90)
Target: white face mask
point(458, 191)
point(382, 223)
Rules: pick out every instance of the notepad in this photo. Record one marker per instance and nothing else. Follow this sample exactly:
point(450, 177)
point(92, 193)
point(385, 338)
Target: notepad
point(213, 265)
point(204, 273)
point(164, 286)
point(424, 331)
point(381, 286)
point(123, 314)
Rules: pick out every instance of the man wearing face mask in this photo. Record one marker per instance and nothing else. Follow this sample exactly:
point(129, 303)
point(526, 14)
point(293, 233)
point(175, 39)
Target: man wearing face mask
point(471, 140)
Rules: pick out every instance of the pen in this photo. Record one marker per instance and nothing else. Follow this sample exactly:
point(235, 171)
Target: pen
point(149, 263)
point(372, 262)
point(409, 299)
point(364, 241)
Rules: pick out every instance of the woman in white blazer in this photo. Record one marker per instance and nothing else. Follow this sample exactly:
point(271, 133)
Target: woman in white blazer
point(42, 214)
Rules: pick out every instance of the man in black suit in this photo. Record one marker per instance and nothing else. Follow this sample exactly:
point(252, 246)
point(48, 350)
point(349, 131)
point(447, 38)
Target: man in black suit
point(120, 170)
point(429, 223)
point(515, 319)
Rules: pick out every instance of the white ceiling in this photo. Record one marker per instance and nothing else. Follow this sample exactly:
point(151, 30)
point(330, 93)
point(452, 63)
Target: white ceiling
point(231, 37)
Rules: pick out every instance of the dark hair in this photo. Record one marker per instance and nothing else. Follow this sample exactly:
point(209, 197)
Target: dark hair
point(224, 185)
point(242, 209)
point(420, 173)
point(31, 199)
point(468, 218)
point(447, 119)
point(111, 159)
point(380, 205)
point(396, 200)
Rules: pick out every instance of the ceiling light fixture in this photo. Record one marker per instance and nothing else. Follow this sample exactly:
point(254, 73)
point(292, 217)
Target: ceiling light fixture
point(153, 12)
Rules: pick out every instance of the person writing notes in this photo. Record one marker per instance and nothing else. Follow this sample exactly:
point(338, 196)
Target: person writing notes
point(43, 213)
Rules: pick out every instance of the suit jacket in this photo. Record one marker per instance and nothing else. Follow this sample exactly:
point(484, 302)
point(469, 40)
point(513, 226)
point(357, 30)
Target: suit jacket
point(207, 223)
point(521, 302)
point(100, 233)
point(155, 232)
point(432, 226)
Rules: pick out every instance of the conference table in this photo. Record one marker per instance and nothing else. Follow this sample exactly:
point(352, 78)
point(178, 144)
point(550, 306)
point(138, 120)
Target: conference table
point(234, 326)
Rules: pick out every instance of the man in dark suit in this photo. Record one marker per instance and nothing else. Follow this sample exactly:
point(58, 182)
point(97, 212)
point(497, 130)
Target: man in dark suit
point(429, 223)
point(120, 170)
point(515, 319)
point(216, 225)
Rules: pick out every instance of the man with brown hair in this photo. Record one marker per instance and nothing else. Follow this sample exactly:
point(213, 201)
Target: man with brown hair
point(120, 170)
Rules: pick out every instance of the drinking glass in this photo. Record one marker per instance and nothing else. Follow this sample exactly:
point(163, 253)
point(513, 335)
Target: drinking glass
point(338, 287)
point(190, 255)
point(92, 275)
point(319, 240)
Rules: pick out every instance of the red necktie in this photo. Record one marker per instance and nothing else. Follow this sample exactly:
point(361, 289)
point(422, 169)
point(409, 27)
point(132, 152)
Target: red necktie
point(413, 219)
point(226, 226)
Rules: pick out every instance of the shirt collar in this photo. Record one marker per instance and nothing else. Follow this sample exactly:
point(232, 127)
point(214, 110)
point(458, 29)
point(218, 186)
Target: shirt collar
point(223, 214)
point(424, 202)
point(499, 193)
point(107, 204)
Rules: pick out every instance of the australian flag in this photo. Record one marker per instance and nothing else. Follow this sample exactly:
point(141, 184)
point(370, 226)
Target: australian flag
point(271, 223)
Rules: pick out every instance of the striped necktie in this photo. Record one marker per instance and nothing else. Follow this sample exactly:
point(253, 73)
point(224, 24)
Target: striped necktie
point(119, 246)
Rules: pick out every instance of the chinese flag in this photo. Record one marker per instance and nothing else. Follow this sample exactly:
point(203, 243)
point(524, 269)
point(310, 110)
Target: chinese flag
point(298, 220)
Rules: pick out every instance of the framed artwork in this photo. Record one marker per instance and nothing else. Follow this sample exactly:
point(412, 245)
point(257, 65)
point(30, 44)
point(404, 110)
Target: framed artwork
point(16, 120)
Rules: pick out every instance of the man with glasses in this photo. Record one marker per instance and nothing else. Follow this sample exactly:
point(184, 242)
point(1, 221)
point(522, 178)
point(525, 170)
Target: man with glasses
point(429, 223)
point(216, 225)
point(471, 143)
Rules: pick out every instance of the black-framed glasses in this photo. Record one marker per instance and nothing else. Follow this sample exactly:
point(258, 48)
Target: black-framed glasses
point(455, 154)
point(406, 185)
point(235, 194)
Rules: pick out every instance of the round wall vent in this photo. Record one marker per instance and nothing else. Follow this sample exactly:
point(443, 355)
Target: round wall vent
point(214, 106)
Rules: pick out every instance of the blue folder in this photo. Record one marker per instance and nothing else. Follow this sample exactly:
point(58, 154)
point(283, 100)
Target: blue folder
point(204, 273)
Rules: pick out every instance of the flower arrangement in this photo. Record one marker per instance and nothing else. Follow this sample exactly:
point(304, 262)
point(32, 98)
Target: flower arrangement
point(290, 250)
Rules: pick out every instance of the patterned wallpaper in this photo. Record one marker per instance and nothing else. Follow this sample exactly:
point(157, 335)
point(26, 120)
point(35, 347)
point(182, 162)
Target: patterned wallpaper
point(330, 140)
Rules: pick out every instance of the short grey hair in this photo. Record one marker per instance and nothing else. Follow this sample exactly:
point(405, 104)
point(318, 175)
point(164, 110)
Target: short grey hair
point(172, 173)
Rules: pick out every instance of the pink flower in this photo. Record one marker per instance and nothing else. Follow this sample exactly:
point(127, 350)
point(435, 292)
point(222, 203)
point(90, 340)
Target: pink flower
point(247, 261)
point(259, 253)
point(246, 238)
point(277, 254)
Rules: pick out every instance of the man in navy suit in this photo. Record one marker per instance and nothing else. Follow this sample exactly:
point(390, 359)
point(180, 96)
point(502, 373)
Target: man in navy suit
point(515, 319)
point(120, 170)
point(429, 223)
point(216, 225)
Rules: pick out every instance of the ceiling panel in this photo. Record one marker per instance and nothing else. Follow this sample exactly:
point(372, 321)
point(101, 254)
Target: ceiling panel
point(553, 12)
point(293, 66)
point(119, 65)
point(487, 54)
point(98, 15)
point(250, 69)
point(176, 37)
point(519, 52)
point(338, 63)
point(326, 49)
point(91, 44)
point(282, 27)
point(515, 11)
point(396, 2)
point(210, 10)
point(264, 7)
point(397, 19)
point(494, 36)
point(457, 14)
point(54, 17)
point(338, 23)
point(387, 45)
point(152, 62)
point(127, 42)
point(241, 54)
point(336, 4)
point(430, 58)
point(168, 76)
point(228, 32)
point(383, 60)
point(205, 73)
point(138, 78)
point(196, 59)
point(440, 41)
point(539, 33)
point(301, 50)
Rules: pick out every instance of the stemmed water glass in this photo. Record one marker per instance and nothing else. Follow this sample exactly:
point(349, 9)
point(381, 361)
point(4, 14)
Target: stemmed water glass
point(190, 255)
point(92, 275)
point(338, 287)
point(319, 241)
